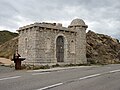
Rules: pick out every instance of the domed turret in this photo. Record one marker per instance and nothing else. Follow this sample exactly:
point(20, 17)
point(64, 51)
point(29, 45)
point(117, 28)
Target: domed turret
point(79, 26)
point(77, 22)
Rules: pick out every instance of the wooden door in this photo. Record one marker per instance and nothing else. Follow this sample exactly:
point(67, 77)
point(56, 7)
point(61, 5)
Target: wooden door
point(60, 49)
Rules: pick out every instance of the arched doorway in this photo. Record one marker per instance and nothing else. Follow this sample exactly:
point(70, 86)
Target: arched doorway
point(60, 49)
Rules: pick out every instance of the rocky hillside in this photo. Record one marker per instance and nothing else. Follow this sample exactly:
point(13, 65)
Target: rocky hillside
point(102, 48)
point(6, 36)
point(8, 48)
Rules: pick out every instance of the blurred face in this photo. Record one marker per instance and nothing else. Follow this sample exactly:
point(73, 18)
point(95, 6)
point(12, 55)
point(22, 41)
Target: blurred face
point(16, 51)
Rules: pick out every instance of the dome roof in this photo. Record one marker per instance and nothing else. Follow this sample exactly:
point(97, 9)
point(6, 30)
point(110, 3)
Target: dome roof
point(77, 22)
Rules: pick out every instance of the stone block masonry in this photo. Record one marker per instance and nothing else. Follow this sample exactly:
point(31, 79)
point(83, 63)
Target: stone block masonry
point(50, 43)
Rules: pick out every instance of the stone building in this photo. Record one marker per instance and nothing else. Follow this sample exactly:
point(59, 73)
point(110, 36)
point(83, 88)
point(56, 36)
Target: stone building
point(50, 43)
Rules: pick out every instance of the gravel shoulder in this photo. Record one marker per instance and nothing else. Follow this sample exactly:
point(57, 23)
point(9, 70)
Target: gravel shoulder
point(6, 69)
point(5, 65)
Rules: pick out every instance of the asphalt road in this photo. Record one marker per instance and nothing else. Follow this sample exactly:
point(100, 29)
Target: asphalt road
point(83, 78)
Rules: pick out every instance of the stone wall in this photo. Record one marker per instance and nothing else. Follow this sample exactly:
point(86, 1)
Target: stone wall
point(37, 42)
point(26, 44)
point(46, 45)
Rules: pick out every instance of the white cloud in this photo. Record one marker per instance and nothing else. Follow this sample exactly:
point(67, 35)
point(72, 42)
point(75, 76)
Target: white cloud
point(102, 16)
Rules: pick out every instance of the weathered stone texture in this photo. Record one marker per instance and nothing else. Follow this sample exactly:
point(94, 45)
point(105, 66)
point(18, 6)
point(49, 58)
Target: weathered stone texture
point(37, 42)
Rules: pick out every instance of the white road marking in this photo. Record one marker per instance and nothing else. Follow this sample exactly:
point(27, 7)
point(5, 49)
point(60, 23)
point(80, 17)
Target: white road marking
point(58, 84)
point(51, 86)
point(9, 78)
point(90, 76)
point(82, 78)
point(40, 73)
point(115, 71)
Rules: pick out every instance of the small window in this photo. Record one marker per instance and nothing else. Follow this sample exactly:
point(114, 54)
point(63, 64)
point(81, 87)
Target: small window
point(48, 42)
point(26, 43)
point(72, 46)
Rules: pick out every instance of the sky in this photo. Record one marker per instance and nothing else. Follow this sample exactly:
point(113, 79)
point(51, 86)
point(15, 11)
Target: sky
point(101, 16)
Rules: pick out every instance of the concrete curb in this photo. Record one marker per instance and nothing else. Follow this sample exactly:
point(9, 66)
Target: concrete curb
point(58, 69)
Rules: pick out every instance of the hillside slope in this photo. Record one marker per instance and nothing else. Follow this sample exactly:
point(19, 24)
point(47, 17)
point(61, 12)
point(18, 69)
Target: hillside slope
point(6, 36)
point(102, 48)
point(8, 48)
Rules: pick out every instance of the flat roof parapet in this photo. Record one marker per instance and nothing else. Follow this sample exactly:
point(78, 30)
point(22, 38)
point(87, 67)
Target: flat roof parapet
point(43, 24)
point(53, 26)
point(27, 26)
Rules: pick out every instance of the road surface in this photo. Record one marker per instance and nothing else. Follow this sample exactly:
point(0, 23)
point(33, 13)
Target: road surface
point(83, 78)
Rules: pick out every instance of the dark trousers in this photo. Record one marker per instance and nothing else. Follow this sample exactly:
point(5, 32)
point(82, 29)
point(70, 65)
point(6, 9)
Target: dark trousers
point(17, 64)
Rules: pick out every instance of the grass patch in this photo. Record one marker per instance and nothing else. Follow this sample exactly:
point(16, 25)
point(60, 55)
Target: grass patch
point(70, 65)
point(35, 67)
point(56, 65)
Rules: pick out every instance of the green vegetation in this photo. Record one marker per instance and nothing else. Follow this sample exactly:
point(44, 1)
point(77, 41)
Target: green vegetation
point(35, 67)
point(8, 43)
point(8, 48)
point(6, 36)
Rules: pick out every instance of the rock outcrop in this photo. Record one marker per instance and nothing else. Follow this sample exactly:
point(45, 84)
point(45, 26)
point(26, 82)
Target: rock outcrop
point(8, 48)
point(102, 49)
